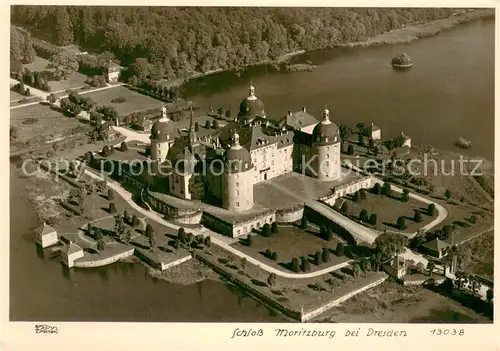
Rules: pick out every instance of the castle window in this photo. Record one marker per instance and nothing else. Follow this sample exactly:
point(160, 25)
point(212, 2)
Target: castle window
point(327, 163)
point(237, 204)
point(327, 155)
point(237, 184)
point(237, 192)
point(327, 148)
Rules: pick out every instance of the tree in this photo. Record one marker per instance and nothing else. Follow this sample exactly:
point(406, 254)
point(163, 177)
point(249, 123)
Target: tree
point(362, 193)
point(243, 263)
point(208, 241)
point(386, 188)
point(350, 150)
point(141, 68)
point(431, 209)
point(473, 219)
point(119, 225)
point(268, 253)
point(14, 133)
point(295, 264)
point(325, 255)
point(447, 230)
point(249, 240)
point(360, 126)
point(123, 147)
point(274, 228)
point(272, 279)
point(152, 242)
point(149, 230)
point(100, 245)
point(373, 219)
point(317, 258)
point(361, 140)
point(27, 92)
point(329, 234)
point(135, 221)
point(431, 266)
point(344, 208)
point(363, 215)
point(63, 26)
point(266, 230)
point(420, 267)
point(215, 124)
point(303, 222)
point(357, 196)
point(208, 124)
point(447, 194)
point(63, 64)
point(305, 266)
point(97, 234)
point(405, 197)
point(111, 194)
point(388, 245)
point(355, 270)
point(489, 295)
point(196, 127)
point(127, 236)
point(417, 217)
point(340, 249)
point(401, 223)
point(112, 208)
point(377, 189)
point(177, 244)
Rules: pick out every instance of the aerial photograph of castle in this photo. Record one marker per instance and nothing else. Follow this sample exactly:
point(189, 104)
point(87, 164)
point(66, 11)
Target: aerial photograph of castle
point(180, 164)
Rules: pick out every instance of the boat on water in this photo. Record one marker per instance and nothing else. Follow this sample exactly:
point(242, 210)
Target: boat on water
point(401, 61)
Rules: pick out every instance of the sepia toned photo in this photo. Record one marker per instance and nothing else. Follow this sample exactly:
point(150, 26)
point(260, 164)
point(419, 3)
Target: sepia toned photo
point(252, 164)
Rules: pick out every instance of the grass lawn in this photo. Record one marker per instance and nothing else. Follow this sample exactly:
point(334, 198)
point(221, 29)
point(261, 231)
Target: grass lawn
point(134, 101)
point(15, 96)
point(39, 64)
point(75, 80)
point(309, 293)
point(388, 209)
point(289, 243)
point(50, 122)
point(394, 303)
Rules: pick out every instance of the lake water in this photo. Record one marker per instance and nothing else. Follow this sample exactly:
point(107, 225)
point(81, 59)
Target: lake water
point(449, 93)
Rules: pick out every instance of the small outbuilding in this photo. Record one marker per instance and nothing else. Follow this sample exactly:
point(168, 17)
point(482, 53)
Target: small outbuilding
point(46, 236)
point(70, 253)
point(112, 72)
point(375, 132)
point(435, 248)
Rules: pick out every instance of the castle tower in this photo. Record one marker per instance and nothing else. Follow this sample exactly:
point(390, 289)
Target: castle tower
point(251, 106)
point(163, 134)
point(237, 177)
point(326, 149)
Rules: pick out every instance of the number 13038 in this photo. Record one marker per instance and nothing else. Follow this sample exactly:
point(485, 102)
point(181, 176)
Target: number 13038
point(459, 332)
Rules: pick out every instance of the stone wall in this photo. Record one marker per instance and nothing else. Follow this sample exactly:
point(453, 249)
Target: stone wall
point(186, 215)
point(290, 215)
point(80, 263)
point(314, 313)
point(348, 188)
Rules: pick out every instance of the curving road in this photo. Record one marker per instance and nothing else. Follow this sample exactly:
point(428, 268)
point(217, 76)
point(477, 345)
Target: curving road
point(216, 238)
point(357, 230)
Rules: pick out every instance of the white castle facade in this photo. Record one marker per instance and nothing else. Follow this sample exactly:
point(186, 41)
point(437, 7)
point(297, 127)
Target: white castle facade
point(227, 162)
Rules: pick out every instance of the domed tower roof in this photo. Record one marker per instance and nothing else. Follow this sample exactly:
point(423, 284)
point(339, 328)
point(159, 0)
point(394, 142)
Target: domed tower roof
point(237, 158)
point(326, 132)
point(164, 129)
point(252, 106)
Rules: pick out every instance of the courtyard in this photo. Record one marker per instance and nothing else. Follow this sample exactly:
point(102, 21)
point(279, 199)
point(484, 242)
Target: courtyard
point(295, 189)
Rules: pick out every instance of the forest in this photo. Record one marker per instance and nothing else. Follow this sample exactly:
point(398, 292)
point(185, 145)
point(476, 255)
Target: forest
point(175, 42)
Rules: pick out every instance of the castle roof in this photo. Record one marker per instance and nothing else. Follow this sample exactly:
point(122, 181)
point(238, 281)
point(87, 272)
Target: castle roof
point(71, 248)
point(44, 229)
point(297, 120)
point(436, 245)
point(164, 130)
point(257, 134)
point(326, 132)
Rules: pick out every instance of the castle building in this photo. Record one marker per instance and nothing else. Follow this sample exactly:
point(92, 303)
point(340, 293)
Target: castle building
point(226, 163)
point(163, 134)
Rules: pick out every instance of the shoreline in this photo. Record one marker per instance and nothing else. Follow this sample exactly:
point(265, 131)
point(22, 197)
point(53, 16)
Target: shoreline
point(402, 35)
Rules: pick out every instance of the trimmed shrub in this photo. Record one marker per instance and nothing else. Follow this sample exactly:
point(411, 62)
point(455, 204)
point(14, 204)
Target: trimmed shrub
point(362, 193)
point(340, 249)
point(373, 219)
point(274, 228)
point(357, 196)
point(350, 150)
point(417, 217)
point(123, 147)
point(112, 208)
point(135, 221)
point(401, 222)
point(431, 209)
point(274, 256)
point(303, 222)
point(363, 215)
point(268, 253)
point(377, 189)
point(208, 241)
point(295, 264)
point(344, 208)
point(249, 240)
point(266, 230)
point(317, 258)
point(325, 255)
point(329, 234)
point(111, 194)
